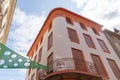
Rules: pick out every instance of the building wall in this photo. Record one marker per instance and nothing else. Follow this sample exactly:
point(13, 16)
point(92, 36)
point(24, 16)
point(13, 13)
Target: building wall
point(114, 40)
point(6, 12)
point(45, 54)
point(62, 45)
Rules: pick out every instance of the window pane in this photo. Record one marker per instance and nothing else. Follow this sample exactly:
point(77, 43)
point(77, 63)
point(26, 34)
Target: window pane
point(50, 41)
point(114, 67)
point(79, 60)
point(89, 41)
point(49, 60)
point(73, 35)
point(29, 71)
point(102, 45)
point(99, 65)
point(33, 77)
point(39, 55)
point(35, 58)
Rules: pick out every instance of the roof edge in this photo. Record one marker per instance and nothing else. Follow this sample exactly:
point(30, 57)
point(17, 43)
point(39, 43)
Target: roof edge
point(52, 13)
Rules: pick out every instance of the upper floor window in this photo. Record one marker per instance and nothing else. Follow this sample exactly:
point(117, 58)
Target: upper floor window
point(49, 60)
point(33, 77)
point(83, 26)
point(50, 41)
point(29, 71)
point(114, 68)
point(95, 31)
point(73, 35)
point(69, 20)
point(39, 55)
point(102, 45)
point(89, 41)
point(35, 58)
point(99, 66)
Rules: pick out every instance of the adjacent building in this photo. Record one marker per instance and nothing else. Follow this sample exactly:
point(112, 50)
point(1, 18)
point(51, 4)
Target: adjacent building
point(114, 39)
point(75, 48)
point(6, 14)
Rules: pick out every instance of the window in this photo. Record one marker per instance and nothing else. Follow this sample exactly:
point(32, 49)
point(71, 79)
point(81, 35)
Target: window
point(78, 59)
point(89, 41)
point(114, 67)
point(37, 75)
point(99, 65)
point(95, 31)
point(35, 58)
point(68, 20)
point(73, 35)
point(83, 26)
point(29, 71)
point(102, 45)
point(39, 55)
point(33, 77)
point(50, 41)
point(49, 60)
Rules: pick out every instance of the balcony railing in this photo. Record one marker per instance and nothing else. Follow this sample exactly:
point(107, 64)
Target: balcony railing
point(69, 64)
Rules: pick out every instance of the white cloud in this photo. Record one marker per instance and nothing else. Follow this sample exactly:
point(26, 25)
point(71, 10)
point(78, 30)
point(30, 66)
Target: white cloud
point(105, 12)
point(23, 30)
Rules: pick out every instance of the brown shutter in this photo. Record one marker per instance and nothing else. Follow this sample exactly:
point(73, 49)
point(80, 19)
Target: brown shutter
point(50, 41)
point(102, 45)
point(115, 68)
point(73, 35)
point(99, 65)
point(78, 59)
point(39, 55)
point(89, 41)
point(50, 60)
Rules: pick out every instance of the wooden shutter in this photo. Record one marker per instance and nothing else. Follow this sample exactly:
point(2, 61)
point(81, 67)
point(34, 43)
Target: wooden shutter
point(102, 45)
point(73, 35)
point(89, 41)
point(50, 60)
point(39, 55)
point(50, 41)
point(115, 68)
point(99, 65)
point(78, 59)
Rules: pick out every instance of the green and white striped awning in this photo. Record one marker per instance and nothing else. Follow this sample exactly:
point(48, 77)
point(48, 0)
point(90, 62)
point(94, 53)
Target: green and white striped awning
point(11, 59)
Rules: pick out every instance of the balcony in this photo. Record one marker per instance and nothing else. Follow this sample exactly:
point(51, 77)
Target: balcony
point(70, 69)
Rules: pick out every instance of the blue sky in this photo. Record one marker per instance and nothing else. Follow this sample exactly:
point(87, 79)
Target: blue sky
point(29, 16)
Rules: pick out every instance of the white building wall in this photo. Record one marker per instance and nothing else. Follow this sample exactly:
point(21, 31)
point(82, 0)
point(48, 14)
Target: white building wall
point(45, 53)
point(62, 44)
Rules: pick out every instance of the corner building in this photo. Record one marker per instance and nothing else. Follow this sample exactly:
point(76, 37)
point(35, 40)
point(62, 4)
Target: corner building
point(75, 48)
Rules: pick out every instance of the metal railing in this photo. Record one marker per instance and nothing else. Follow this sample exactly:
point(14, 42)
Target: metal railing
point(69, 64)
